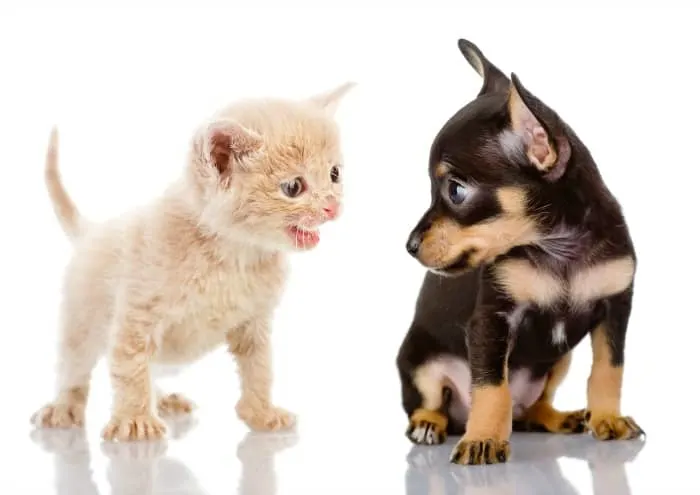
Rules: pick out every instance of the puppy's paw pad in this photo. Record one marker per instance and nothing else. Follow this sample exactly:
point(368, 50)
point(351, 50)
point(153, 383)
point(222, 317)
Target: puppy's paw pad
point(427, 427)
point(612, 427)
point(133, 429)
point(266, 419)
point(474, 452)
point(59, 416)
point(574, 422)
point(174, 405)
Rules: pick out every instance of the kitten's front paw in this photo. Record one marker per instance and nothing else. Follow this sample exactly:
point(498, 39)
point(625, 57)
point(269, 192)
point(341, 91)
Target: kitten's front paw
point(59, 416)
point(147, 427)
point(269, 418)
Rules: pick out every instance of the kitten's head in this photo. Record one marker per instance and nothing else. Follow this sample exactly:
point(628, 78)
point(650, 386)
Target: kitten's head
point(270, 171)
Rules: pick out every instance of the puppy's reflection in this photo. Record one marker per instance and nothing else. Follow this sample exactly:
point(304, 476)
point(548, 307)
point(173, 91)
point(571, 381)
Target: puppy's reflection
point(138, 468)
point(534, 470)
point(257, 454)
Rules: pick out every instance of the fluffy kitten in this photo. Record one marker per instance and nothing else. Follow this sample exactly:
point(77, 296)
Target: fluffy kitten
point(204, 265)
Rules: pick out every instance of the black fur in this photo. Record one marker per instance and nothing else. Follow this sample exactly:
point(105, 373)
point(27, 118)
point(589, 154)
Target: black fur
point(459, 311)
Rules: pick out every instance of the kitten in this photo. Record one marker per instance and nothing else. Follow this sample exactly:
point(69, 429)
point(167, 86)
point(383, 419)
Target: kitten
point(202, 266)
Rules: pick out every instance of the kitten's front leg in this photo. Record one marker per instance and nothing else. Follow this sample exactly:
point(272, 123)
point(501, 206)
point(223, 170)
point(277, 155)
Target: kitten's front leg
point(250, 344)
point(131, 348)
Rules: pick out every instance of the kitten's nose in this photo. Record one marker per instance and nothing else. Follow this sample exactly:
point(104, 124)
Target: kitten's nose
point(331, 209)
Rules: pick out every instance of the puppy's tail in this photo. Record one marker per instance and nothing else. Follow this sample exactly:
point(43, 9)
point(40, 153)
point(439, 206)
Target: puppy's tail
point(63, 205)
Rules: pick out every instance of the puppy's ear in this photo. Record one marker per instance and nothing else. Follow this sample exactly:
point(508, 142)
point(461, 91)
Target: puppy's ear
point(494, 80)
point(539, 130)
point(330, 100)
point(223, 143)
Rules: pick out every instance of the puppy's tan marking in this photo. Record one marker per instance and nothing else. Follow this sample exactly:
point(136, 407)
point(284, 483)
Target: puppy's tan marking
point(526, 284)
point(435, 418)
point(604, 391)
point(513, 200)
point(602, 280)
point(441, 170)
point(446, 241)
point(491, 413)
point(429, 385)
point(488, 428)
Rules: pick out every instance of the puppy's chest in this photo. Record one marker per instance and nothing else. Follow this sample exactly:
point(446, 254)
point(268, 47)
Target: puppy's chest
point(575, 289)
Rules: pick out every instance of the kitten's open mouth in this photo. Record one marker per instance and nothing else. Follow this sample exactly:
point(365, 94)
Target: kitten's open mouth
point(303, 238)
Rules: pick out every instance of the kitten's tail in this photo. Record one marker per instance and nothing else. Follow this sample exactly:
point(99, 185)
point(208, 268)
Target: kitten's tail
point(66, 212)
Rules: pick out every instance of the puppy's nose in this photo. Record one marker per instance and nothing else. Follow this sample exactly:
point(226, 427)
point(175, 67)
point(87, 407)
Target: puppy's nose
point(331, 209)
point(413, 244)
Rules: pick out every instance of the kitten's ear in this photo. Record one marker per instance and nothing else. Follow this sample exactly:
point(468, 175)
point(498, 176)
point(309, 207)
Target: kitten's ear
point(330, 100)
point(540, 131)
point(224, 142)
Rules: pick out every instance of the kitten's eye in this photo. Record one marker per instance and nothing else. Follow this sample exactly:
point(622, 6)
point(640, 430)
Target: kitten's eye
point(293, 188)
point(457, 192)
point(335, 174)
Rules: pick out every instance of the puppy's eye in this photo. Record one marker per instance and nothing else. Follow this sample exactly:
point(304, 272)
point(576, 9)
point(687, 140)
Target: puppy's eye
point(293, 188)
point(335, 174)
point(457, 192)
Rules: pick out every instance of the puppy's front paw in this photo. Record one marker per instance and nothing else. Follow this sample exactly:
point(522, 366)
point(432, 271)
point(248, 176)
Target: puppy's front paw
point(60, 416)
point(612, 427)
point(427, 427)
point(147, 427)
point(174, 405)
point(268, 418)
point(473, 452)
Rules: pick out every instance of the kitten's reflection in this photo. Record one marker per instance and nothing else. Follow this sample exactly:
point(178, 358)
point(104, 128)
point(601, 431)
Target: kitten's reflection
point(534, 470)
point(142, 468)
point(257, 454)
point(138, 468)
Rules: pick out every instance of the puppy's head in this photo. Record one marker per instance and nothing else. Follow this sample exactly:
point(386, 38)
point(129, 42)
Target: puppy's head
point(270, 171)
point(488, 160)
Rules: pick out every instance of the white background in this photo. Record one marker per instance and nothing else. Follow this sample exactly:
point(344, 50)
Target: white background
point(127, 86)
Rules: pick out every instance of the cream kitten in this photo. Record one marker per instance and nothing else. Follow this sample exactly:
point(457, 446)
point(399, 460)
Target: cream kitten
point(202, 266)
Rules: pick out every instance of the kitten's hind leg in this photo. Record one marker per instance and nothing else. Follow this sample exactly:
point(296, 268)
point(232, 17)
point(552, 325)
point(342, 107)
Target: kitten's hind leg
point(78, 353)
point(173, 405)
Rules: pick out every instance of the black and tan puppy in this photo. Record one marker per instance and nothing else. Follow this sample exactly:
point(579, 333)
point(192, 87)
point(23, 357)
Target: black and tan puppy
point(528, 252)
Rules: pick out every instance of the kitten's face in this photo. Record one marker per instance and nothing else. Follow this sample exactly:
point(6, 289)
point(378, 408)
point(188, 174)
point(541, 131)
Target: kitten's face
point(271, 172)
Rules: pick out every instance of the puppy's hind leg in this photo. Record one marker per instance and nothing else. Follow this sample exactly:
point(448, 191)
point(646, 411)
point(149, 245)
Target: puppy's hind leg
point(79, 350)
point(542, 416)
point(428, 417)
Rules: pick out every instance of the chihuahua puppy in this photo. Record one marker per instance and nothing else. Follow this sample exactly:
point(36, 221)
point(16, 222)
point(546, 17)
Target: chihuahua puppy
point(527, 253)
point(203, 266)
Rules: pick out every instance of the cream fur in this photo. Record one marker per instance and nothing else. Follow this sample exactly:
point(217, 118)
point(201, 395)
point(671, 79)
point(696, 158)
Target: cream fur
point(203, 266)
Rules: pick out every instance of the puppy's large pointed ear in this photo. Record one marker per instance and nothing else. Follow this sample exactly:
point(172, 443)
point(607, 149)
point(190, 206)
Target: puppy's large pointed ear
point(494, 80)
point(224, 143)
point(540, 131)
point(330, 100)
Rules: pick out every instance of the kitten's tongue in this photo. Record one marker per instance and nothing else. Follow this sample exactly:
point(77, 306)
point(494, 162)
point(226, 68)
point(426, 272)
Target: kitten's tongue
point(304, 238)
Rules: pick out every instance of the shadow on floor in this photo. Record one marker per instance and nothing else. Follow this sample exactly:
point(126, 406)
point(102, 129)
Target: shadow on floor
point(533, 469)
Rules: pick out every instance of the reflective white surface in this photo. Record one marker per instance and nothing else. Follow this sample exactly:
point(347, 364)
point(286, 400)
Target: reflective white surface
point(284, 463)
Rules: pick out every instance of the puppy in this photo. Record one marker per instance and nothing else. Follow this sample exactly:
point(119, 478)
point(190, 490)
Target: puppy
point(527, 253)
point(204, 265)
